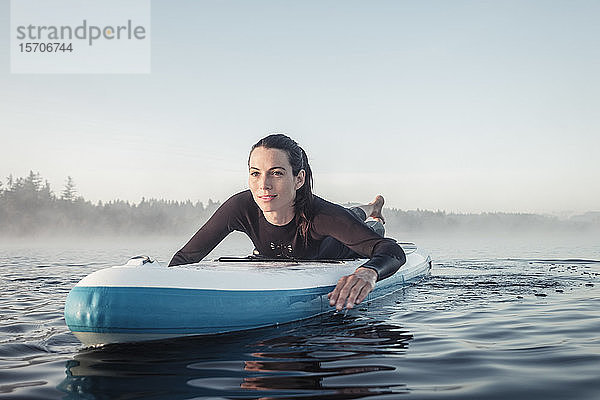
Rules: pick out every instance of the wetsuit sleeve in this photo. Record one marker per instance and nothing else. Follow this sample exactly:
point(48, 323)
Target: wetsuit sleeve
point(385, 255)
point(385, 265)
point(221, 223)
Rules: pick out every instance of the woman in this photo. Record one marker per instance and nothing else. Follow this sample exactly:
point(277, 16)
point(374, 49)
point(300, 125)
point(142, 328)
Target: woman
point(283, 218)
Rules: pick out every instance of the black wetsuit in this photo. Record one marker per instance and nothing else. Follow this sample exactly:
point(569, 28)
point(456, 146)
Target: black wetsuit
point(353, 237)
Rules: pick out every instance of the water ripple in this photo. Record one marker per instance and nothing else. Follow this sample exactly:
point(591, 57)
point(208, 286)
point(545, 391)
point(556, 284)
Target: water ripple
point(477, 328)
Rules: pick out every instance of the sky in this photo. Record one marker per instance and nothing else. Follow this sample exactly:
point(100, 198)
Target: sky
point(462, 106)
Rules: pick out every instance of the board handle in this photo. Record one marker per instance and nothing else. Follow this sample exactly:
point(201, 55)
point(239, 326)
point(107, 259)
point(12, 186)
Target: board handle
point(140, 260)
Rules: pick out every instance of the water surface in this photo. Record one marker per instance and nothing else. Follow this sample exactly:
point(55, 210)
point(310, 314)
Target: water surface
point(498, 318)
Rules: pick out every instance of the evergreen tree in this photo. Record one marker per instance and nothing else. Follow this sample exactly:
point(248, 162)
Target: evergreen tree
point(46, 191)
point(10, 182)
point(33, 182)
point(69, 193)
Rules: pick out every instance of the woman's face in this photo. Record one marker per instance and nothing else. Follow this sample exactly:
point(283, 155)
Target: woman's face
point(272, 183)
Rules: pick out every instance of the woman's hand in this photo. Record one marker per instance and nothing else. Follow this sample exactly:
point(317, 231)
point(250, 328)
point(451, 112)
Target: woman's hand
point(352, 289)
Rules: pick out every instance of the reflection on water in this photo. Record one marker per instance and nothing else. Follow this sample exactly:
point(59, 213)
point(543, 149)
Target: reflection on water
point(292, 360)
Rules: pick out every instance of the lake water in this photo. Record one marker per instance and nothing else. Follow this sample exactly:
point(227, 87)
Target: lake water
point(506, 318)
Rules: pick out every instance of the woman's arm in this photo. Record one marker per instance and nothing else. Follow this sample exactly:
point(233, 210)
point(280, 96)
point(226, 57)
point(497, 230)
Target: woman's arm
point(385, 255)
point(386, 261)
point(220, 224)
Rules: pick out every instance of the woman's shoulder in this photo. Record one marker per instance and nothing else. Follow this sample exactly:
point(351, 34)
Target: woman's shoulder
point(240, 201)
point(244, 195)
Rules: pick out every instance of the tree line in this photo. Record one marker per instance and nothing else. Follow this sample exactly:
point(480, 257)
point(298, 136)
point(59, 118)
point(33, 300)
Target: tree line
point(29, 206)
point(490, 222)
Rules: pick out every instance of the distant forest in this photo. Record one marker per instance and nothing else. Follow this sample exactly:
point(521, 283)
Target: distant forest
point(29, 207)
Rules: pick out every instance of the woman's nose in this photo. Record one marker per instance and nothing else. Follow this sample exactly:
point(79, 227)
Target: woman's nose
point(265, 182)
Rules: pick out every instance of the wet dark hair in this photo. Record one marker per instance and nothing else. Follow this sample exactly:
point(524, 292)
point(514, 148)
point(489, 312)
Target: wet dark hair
point(298, 160)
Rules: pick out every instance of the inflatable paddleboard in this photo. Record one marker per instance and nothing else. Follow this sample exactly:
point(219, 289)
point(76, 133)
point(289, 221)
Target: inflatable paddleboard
point(144, 300)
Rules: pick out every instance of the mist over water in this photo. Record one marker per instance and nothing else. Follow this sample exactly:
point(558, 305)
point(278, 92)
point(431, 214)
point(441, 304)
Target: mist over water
point(440, 245)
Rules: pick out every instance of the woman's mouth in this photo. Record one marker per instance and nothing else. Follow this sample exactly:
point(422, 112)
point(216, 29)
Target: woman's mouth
point(267, 197)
